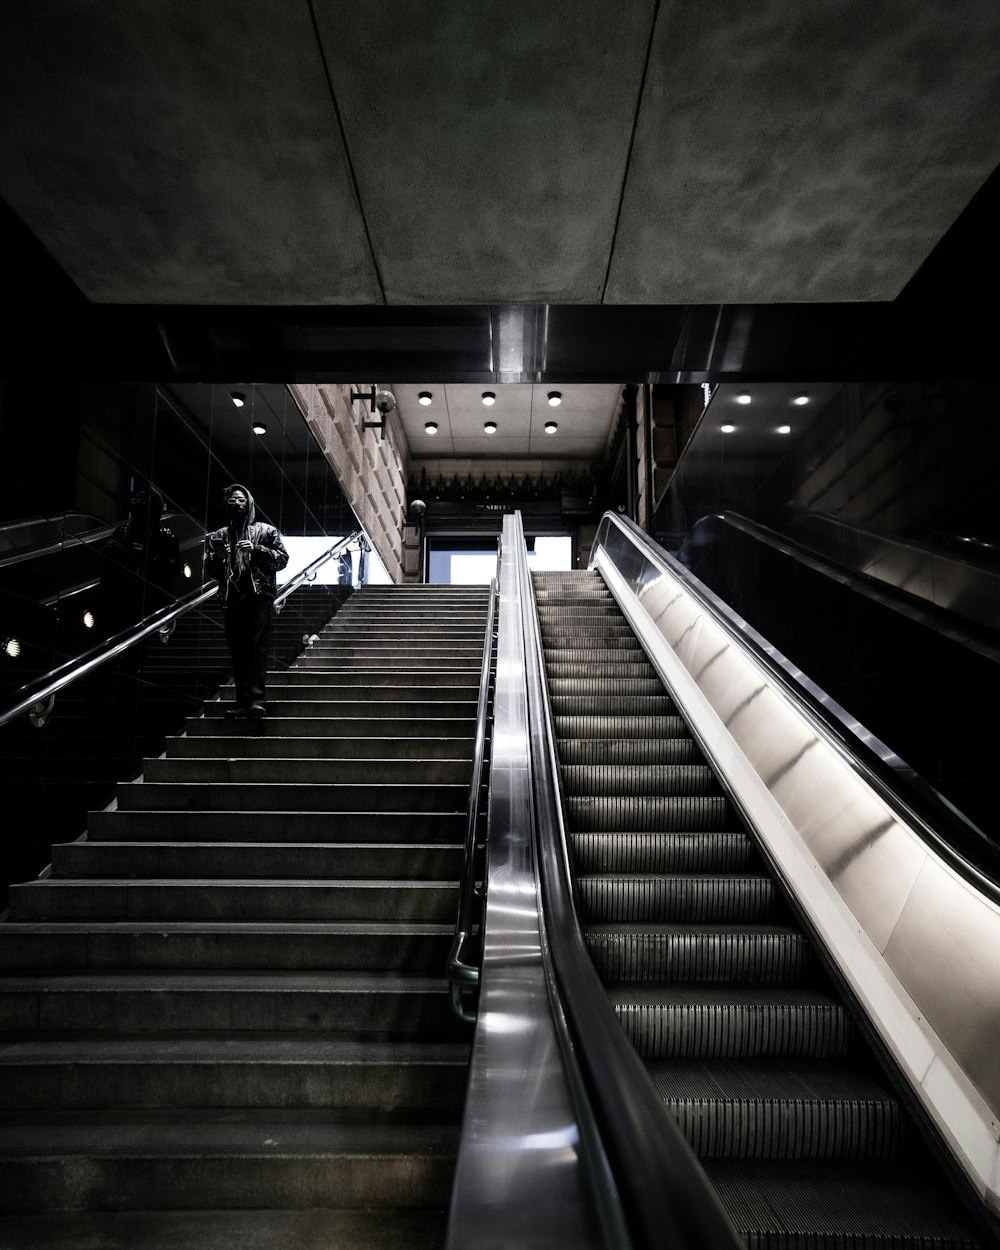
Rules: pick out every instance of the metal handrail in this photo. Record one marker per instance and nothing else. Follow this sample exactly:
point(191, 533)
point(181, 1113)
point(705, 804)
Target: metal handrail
point(667, 1198)
point(308, 574)
point(465, 956)
point(34, 696)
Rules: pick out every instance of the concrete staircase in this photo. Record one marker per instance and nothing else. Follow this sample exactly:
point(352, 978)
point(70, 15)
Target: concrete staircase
point(223, 1013)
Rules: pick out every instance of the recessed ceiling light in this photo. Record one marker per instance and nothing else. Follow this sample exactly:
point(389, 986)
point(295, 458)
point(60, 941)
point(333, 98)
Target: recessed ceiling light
point(799, 400)
point(430, 427)
point(555, 398)
point(89, 620)
point(489, 398)
point(490, 427)
point(551, 427)
point(784, 429)
point(744, 398)
point(238, 398)
point(12, 647)
point(424, 398)
point(259, 427)
point(727, 429)
point(187, 570)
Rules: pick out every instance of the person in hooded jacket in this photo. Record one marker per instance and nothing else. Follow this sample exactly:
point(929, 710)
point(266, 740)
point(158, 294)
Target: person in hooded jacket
point(244, 557)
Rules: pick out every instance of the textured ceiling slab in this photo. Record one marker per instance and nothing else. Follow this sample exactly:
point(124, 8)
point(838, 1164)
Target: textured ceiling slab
point(490, 140)
point(805, 152)
point(182, 152)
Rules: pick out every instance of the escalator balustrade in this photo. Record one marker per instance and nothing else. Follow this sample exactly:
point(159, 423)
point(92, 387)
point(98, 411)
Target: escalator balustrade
point(710, 974)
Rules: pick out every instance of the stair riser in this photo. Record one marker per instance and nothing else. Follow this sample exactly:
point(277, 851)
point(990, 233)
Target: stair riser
point(324, 827)
point(265, 902)
point(313, 725)
point(239, 1084)
point(172, 796)
point(249, 951)
point(283, 1181)
point(149, 860)
point(632, 815)
point(364, 1012)
point(372, 709)
point(254, 747)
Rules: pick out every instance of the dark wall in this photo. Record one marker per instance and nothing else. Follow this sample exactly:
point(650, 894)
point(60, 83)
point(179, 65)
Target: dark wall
point(863, 540)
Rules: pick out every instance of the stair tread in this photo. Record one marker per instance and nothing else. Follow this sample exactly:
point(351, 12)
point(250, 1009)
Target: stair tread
point(234, 1048)
point(194, 1134)
point(214, 982)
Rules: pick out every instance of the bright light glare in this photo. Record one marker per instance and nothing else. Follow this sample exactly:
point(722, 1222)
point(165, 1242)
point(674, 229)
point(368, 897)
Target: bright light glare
point(784, 429)
point(744, 398)
point(727, 429)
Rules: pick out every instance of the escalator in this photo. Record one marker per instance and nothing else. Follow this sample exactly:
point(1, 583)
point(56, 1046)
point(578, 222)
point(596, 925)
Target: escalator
point(753, 1045)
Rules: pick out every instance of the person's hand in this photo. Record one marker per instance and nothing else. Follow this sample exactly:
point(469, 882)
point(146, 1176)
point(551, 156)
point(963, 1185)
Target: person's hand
point(244, 545)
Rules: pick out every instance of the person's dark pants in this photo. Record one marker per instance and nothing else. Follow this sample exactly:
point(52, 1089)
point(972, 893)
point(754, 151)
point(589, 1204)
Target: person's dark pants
point(248, 633)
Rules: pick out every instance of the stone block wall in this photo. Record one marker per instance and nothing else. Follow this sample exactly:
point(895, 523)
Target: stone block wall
point(371, 469)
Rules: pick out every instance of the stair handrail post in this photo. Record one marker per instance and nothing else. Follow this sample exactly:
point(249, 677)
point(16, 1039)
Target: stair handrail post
point(308, 574)
point(465, 957)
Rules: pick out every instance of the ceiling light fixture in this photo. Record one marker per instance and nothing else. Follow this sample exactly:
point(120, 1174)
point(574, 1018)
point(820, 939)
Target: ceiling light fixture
point(784, 429)
point(424, 398)
point(799, 400)
point(238, 398)
point(89, 620)
point(489, 398)
point(744, 398)
point(259, 427)
point(12, 647)
point(430, 427)
point(555, 399)
point(551, 427)
point(490, 427)
point(727, 429)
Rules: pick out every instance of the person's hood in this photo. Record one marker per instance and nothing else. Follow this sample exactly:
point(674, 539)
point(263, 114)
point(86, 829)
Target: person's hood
point(251, 509)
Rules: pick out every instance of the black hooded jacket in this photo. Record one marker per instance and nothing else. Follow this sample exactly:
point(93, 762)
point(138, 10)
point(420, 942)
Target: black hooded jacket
point(265, 559)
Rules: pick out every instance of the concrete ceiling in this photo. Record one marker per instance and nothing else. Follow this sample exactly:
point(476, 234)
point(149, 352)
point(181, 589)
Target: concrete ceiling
point(320, 152)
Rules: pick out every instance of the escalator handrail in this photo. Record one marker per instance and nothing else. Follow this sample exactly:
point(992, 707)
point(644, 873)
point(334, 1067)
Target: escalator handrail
point(39, 690)
point(661, 1185)
point(303, 575)
point(945, 829)
point(463, 965)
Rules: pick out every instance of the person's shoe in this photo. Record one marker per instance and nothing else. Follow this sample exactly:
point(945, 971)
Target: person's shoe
point(256, 711)
point(235, 713)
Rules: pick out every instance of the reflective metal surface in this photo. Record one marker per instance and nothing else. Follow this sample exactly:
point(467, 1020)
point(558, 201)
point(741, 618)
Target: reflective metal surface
point(918, 940)
point(519, 1179)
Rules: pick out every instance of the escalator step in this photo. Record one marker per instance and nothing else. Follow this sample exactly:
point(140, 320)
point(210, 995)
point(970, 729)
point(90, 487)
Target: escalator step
point(686, 953)
point(731, 1021)
point(612, 704)
point(590, 726)
point(784, 1109)
point(677, 897)
point(629, 751)
point(663, 852)
point(656, 780)
point(599, 685)
point(588, 814)
point(588, 668)
point(834, 1206)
